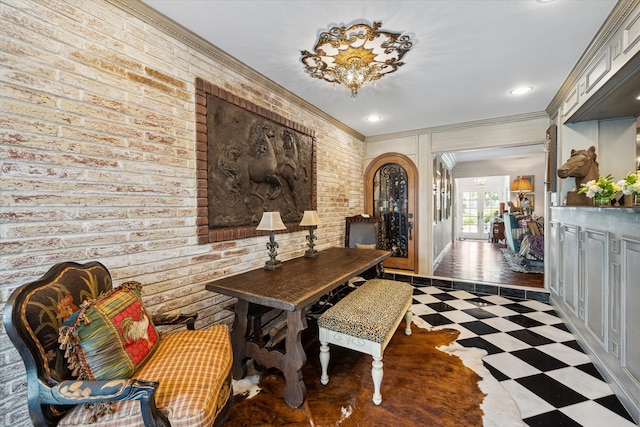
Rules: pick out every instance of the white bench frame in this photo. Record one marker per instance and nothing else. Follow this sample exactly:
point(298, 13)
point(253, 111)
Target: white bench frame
point(375, 349)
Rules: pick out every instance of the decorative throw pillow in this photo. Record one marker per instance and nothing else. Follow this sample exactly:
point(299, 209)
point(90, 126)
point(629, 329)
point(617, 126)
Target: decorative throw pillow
point(109, 337)
point(363, 246)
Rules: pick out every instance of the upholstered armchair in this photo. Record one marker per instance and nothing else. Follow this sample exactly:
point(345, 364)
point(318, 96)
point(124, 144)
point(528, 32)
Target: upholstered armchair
point(93, 355)
point(512, 232)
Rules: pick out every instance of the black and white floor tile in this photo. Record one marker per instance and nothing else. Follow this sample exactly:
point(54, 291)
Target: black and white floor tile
point(530, 352)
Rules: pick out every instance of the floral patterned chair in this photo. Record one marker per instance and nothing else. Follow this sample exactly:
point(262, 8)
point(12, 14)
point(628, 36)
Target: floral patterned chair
point(93, 355)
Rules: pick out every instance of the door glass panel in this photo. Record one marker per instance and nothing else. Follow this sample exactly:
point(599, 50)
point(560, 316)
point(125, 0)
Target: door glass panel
point(490, 205)
point(390, 201)
point(478, 208)
point(470, 212)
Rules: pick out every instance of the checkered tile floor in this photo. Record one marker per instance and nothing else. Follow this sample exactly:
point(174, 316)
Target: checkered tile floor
point(531, 353)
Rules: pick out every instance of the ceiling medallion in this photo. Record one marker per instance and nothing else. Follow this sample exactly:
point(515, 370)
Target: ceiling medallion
point(355, 56)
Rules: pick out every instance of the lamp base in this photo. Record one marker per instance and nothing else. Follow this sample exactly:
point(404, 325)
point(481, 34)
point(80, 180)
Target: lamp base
point(272, 264)
point(310, 253)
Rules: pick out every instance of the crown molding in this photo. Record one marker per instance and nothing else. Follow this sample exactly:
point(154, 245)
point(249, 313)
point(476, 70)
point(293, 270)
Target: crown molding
point(621, 11)
point(150, 16)
point(463, 125)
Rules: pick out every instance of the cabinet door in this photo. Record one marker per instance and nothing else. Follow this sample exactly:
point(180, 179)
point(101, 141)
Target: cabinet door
point(552, 260)
point(593, 307)
point(569, 266)
point(630, 307)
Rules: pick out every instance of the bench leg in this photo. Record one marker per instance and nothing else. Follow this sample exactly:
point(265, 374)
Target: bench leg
point(407, 320)
point(324, 362)
point(377, 374)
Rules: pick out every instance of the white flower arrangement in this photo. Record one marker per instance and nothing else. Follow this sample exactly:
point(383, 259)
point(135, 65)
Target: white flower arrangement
point(603, 188)
point(630, 185)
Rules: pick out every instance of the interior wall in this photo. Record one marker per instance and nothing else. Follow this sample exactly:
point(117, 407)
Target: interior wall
point(99, 163)
point(614, 140)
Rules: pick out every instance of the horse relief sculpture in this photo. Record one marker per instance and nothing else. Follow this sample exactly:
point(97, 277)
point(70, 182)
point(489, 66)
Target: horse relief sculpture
point(255, 165)
point(582, 166)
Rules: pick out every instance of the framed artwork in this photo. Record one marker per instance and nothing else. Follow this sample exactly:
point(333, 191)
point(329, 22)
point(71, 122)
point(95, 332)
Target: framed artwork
point(530, 179)
point(530, 199)
point(249, 161)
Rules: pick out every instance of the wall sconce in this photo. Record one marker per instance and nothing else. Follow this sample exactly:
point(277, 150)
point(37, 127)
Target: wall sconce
point(521, 186)
point(310, 219)
point(270, 222)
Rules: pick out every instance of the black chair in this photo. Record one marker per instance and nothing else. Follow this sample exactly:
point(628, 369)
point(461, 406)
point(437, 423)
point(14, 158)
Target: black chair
point(364, 230)
point(364, 233)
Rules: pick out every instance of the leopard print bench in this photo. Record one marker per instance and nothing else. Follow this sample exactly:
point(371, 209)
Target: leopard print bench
point(365, 320)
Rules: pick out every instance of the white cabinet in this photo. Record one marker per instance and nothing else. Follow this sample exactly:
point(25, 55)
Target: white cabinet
point(630, 315)
point(568, 267)
point(594, 289)
point(594, 281)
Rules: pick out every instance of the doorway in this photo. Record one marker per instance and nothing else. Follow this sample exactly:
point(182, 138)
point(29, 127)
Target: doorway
point(391, 193)
point(476, 211)
point(477, 204)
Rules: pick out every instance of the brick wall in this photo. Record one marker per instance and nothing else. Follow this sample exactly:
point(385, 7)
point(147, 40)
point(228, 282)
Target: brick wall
point(98, 163)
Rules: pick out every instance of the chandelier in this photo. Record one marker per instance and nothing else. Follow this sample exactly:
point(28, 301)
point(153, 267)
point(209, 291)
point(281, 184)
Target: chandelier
point(355, 56)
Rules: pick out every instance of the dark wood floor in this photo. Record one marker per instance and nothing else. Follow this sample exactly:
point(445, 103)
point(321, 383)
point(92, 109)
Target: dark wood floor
point(480, 261)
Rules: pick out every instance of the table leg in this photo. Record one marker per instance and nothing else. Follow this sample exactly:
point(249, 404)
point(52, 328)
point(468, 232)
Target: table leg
point(238, 339)
point(295, 357)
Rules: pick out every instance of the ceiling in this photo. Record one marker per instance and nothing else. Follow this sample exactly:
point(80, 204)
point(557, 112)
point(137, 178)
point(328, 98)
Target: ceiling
point(467, 54)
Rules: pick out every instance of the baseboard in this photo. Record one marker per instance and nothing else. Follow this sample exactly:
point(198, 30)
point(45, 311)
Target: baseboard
point(507, 291)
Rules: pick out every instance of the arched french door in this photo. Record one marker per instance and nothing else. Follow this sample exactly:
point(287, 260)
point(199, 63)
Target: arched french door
point(391, 193)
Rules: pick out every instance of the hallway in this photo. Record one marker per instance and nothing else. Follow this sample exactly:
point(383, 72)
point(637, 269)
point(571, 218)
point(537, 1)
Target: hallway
point(480, 261)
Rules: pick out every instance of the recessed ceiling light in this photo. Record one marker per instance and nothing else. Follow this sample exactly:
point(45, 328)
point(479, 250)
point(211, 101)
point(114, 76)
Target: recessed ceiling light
point(521, 90)
point(374, 118)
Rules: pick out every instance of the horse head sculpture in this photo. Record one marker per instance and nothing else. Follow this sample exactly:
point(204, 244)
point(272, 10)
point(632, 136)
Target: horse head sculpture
point(582, 166)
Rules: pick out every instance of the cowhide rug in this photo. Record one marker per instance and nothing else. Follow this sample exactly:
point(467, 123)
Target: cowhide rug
point(429, 380)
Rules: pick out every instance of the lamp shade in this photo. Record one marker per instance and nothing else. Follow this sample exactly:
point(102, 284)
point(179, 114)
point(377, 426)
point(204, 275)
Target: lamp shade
point(310, 218)
point(521, 185)
point(271, 221)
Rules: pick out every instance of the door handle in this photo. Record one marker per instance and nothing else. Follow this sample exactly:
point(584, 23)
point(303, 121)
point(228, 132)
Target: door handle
point(410, 226)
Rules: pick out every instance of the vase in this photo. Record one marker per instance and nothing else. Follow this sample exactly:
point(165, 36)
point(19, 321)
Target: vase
point(602, 200)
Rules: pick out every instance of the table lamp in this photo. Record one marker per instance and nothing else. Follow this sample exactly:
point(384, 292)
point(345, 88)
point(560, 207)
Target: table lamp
point(310, 219)
point(521, 185)
point(270, 222)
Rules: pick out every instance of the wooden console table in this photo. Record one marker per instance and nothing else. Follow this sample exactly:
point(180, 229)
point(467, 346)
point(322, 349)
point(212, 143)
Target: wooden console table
point(293, 287)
